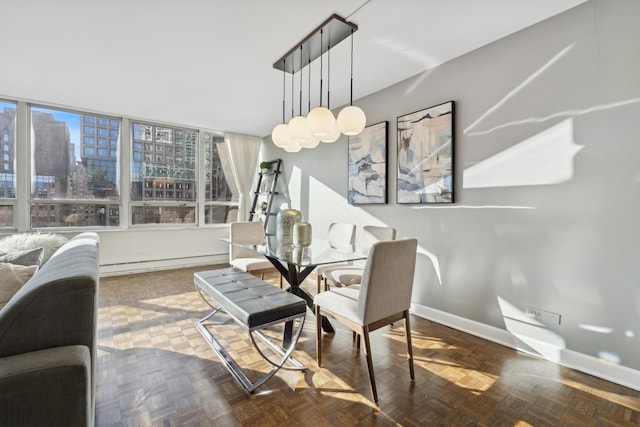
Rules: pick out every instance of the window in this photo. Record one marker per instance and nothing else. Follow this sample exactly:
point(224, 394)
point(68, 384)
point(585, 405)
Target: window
point(221, 193)
point(66, 167)
point(155, 178)
point(7, 173)
point(75, 172)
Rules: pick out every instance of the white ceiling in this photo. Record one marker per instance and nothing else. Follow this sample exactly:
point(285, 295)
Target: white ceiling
point(208, 63)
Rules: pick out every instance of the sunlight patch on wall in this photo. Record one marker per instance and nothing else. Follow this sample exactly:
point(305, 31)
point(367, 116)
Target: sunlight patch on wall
point(533, 334)
point(544, 159)
point(434, 261)
point(328, 206)
point(427, 62)
point(295, 188)
point(609, 356)
point(595, 328)
point(521, 86)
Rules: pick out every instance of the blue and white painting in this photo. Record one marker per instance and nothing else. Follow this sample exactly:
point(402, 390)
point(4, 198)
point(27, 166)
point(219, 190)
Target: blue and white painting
point(425, 155)
point(368, 165)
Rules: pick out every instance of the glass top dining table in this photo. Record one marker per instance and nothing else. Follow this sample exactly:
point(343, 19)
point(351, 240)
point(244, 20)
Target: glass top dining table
point(296, 263)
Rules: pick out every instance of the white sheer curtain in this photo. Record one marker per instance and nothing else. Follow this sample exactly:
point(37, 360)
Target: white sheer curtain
point(244, 152)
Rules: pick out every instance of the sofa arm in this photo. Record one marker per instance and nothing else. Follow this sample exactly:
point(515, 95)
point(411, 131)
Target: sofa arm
point(49, 387)
point(58, 305)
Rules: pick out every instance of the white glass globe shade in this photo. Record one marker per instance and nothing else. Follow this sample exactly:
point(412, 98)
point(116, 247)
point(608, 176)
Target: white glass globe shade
point(280, 135)
point(298, 129)
point(320, 121)
point(312, 142)
point(351, 120)
point(292, 147)
point(333, 135)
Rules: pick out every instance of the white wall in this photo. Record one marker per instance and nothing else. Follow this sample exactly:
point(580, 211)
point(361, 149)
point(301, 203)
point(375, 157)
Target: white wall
point(547, 183)
point(136, 251)
point(141, 250)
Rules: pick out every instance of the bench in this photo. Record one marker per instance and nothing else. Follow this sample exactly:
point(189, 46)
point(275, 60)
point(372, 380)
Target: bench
point(253, 304)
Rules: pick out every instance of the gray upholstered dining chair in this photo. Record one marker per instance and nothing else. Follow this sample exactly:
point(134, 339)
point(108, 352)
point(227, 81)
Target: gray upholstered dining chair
point(351, 273)
point(383, 297)
point(339, 235)
point(249, 233)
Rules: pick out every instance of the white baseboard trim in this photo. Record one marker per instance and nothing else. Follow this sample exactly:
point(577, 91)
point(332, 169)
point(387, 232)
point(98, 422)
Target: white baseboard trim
point(145, 266)
point(606, 370)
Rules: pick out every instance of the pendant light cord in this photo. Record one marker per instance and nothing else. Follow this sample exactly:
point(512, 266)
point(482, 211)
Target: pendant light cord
point(309, 86)
point(321, 55)
point(293, 101)
point(351, 102)
point(284, 88)
point(300, 80)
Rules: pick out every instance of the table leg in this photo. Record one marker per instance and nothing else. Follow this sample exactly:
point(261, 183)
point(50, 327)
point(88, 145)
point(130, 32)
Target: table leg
point(295, 277)
point(326, 325)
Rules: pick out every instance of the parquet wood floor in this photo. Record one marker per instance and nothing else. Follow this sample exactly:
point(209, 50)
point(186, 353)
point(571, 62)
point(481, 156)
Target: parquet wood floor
point(155, 369)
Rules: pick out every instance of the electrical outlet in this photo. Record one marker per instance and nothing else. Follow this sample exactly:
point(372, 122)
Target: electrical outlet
point(546, 317)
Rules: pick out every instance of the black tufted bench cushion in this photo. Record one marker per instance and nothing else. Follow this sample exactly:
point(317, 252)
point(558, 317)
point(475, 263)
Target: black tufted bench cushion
point(253, 304)
point(250, 300)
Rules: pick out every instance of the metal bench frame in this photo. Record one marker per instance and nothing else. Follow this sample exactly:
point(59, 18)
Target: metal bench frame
point(286, 361)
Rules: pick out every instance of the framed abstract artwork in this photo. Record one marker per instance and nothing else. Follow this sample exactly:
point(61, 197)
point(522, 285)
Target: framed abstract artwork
point(368, 165)
point(425, 155)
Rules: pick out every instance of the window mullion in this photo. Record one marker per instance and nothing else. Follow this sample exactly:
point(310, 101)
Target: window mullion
point(201, 187)
point(23, 167)
point(125, 171)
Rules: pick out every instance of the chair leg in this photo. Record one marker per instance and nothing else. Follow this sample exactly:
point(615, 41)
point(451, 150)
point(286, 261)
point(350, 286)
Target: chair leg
point(367, 350)
point(355, 337)
point(319, 280)
point(280, 281)
point(407, 328)
point(318, 336)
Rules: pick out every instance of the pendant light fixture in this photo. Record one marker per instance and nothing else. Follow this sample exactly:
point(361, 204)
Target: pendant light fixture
point(313, 140)
point(334, 132)
point(320, 119)
point(292, 146)
point(298, 129)
point(320, 124)
point(280, 134)
point(351, 120)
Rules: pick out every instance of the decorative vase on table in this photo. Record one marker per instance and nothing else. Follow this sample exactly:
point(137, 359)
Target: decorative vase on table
point(285, 220)
point(302, 234)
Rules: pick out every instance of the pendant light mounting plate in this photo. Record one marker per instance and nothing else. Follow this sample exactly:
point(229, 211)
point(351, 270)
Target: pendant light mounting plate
point(334, 30)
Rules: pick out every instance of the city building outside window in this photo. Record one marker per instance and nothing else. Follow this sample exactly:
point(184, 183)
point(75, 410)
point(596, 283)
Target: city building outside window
point(221, 192)
point(163, 186)
point(75, 175)
point(7, 171)
point(73, 183)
